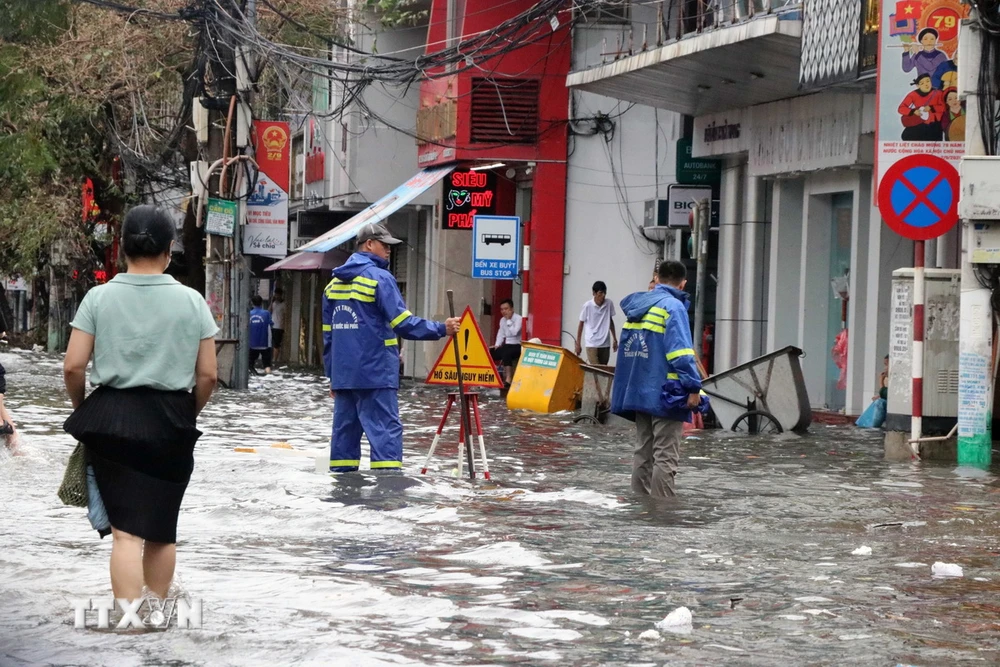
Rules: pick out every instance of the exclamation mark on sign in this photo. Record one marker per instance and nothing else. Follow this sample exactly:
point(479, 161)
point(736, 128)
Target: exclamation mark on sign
point(465, 357)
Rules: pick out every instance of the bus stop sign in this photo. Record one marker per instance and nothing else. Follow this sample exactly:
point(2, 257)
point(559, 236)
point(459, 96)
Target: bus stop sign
point(496, 247)
point(918, 197)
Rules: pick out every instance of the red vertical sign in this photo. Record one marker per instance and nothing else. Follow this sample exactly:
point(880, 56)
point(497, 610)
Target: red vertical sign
point(273, 150)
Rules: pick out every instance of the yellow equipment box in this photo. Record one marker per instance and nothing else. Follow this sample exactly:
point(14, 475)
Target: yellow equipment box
point(548, 379)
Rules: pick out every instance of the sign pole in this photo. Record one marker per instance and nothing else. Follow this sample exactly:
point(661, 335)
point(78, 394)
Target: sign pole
point(463, 403)
point(702, 213)
point(916, 421)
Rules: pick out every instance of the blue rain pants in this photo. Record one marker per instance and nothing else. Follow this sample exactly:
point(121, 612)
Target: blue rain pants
point(374, 412)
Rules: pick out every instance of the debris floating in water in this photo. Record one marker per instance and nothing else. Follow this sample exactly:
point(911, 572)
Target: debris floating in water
point(940, 569)
point(650, 636)
point(862, 551)
point(678, 621)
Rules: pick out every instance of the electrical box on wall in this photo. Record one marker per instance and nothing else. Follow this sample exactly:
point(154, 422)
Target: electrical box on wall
point(986, 243)
point(941, 318)
point(980, 198)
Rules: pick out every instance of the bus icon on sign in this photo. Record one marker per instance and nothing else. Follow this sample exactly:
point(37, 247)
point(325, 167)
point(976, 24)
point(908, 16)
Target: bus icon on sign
point(501, 239)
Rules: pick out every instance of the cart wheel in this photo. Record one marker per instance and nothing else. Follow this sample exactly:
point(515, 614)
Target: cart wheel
point(756, 422)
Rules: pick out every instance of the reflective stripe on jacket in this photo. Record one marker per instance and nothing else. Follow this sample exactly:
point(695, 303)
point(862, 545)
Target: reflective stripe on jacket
point(363, 313)
point(655, 355)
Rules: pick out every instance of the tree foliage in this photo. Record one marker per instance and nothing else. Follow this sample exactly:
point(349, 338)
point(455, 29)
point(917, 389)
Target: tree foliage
point(78, 86)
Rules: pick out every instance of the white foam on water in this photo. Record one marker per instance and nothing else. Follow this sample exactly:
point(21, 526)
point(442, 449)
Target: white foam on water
point(650, 636)
point(546, 634)
point(573, 495)
point(902, 485)
point(911, 565)
point(848, 638)
point(577, 616)
point(813, 598)
point(794, 617)
point(818, 612)
point(506, 554)
point(451, 645)
point(862, 551)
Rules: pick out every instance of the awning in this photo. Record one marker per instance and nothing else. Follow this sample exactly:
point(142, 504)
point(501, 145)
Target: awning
point(378, 211)
point(725, 68)
point(310, 261)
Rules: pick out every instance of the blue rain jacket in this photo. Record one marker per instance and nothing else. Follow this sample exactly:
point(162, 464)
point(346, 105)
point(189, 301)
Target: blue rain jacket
point(656, 368)
point(260, 329)
point(363, 313)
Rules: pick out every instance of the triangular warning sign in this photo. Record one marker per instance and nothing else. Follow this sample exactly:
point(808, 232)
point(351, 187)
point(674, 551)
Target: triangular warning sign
point(478, 369)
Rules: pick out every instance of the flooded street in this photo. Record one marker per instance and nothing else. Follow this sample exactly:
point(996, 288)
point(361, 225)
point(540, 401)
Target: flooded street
point(553, 562)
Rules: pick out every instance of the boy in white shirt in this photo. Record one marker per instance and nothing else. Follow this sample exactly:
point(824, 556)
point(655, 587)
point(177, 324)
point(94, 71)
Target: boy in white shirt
point(596, 331)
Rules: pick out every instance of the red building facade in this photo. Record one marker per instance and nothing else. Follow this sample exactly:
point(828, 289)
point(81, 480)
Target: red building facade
point(510, 108)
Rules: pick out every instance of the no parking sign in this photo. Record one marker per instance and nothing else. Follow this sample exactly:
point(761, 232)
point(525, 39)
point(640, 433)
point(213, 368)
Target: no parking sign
point(918, 197)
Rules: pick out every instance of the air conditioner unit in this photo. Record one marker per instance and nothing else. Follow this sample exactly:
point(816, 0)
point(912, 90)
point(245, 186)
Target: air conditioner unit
point(941, 324)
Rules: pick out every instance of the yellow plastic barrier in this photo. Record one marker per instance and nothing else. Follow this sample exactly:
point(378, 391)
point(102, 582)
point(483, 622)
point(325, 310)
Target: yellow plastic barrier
point(547, 379)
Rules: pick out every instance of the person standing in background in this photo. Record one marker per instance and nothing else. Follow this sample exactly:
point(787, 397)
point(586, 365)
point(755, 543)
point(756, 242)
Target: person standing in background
point(507, 349)
point(8, 430)
point(277, 323)
point(260, 335)
point(596, 331)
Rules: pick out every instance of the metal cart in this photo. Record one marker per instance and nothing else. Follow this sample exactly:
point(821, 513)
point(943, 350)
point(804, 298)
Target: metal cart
point(766, 395)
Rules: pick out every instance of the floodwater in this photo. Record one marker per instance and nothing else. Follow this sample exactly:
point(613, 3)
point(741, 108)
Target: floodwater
point(554, 562)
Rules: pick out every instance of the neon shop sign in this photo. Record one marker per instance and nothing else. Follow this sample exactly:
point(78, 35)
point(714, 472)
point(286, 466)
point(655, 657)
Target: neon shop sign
point(468, 194)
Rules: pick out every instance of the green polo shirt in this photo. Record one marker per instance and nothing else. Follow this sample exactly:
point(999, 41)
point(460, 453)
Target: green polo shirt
point(147, 329)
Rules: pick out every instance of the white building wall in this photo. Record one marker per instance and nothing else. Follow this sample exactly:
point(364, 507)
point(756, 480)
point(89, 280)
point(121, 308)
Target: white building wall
point(608, 183)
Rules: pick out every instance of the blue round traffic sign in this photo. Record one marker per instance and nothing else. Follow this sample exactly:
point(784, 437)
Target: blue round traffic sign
point(918, 197)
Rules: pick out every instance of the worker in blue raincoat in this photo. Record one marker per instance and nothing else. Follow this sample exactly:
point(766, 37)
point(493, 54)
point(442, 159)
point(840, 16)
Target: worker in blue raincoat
point(657, 383)
point(363, 313)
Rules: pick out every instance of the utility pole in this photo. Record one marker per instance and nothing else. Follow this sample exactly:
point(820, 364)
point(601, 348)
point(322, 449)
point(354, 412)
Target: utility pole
point(227, 279)
point(240, 276)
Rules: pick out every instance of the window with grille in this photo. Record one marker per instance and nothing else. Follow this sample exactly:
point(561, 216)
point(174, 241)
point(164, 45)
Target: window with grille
point(504, 111)
point(606, 11)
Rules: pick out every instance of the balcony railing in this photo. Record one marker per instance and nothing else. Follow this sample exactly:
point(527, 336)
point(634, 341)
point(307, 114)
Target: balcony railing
point(654, 24)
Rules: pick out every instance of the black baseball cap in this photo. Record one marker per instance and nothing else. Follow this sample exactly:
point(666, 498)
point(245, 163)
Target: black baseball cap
point(378, 232)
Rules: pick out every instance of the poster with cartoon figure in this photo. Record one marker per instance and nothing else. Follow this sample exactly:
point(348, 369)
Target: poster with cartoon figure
point(918, 106)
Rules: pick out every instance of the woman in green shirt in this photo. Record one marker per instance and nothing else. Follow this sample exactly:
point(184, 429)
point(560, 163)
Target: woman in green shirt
point(152, 342)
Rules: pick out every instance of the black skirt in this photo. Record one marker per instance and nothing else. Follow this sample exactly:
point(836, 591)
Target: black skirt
point(141, 444)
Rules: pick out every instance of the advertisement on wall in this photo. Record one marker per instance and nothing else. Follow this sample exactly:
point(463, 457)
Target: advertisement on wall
point(918, 107)
point(266, 231)
point(467, 194)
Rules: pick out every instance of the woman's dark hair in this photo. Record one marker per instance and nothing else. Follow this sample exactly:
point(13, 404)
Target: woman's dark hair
point(147, 232)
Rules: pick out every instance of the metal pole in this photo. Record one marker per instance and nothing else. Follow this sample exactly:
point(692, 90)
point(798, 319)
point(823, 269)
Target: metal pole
point(916, 420)
point(463, 403)
point(703, 217)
